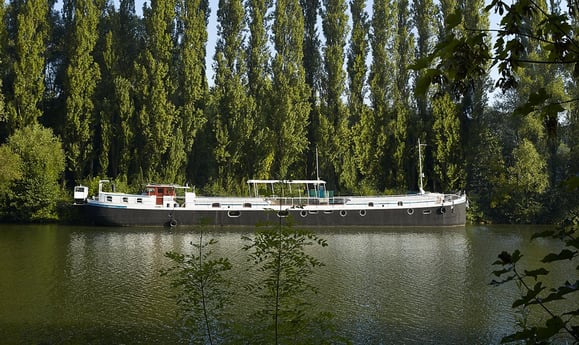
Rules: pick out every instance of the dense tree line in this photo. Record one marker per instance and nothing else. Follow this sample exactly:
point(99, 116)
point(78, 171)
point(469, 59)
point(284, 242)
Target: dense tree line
point(128, 98)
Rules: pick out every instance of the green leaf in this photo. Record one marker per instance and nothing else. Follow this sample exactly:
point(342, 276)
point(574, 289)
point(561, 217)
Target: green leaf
point(423, 83)
point(565, 254)
point(501, 272)
point(548, 233)
point(536, 273)
point(531, 295)
point(522, 335)
point(421, 63)
point(453, 19)
point(553, 326)
point(572, 313)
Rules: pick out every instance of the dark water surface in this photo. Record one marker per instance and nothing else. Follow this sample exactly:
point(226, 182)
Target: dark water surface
point(81, 285)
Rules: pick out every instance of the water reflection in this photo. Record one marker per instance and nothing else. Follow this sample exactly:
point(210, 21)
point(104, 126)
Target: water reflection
point(70, 285)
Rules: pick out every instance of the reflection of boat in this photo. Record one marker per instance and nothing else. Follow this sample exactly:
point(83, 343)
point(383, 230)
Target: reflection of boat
point(306, 202)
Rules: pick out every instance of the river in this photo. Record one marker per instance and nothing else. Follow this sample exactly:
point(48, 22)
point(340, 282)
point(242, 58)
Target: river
point(87, 285)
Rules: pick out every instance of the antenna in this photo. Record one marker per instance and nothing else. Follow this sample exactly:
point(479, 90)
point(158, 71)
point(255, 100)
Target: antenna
point(420, 165)
point(317, 166)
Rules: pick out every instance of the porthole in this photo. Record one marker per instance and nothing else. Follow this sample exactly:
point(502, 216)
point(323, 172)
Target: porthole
point(328, 212)
point(233, 214)
point(283, 213)
point(426, 212)
point(442, 210)
point(363, 213)
point(343, 213)
point(410, 211)
point(313, 212)
point(304, 213)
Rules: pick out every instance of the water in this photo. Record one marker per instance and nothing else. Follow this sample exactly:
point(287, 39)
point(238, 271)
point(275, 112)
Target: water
point(72, 285)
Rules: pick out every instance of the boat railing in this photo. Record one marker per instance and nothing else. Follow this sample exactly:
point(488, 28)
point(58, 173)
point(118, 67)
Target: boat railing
point(304, 200)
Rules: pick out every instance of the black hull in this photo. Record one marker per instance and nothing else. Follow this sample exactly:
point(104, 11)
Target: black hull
point(403, 217)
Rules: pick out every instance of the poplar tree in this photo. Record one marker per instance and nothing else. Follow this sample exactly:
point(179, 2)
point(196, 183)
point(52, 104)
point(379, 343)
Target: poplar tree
point(119, 47)
point(155, 111)
point(401, 97)
point(448, 168)
point(29, 41)
point(82, 77)
point(3, 59)
point(448, 160)
point(192, 89)
point(424, 17)
point(290, 106)
point(232, 126)
point(357, 73)
point(371, 144)
point(260, 87)
point(312, 61)
point(334, 136)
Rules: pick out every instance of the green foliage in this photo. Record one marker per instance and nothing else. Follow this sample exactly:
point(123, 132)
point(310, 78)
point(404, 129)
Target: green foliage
point(284, 284)
point(536, 293)
point(156, 114)
point(527, 178)
point(34, 196)
point(203, 292)
point(448, 152)
point(82, 76)
point(29, 44)
point(192, 90)
point(333, 133)
point(10, 168)
point(234, 117)
point(289, 103)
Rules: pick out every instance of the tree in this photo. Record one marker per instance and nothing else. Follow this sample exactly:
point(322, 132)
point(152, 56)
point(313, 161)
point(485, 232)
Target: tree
point(527, 180)
point(3, 58)
point(82, 75)
point(203, 291)
point(312, 62)
point(156, 113)
point(232, 122)
point(447, 152)
point(424, 18)
point(371, 144)
point(535, 294)
point(290, 106)
point(191, 89)
point(334, 135)
point(260, 86)
point(30, 34)
point(10, 168)
point(279, 255)
point(403, 44)
point(34, 196)
point(357, 74)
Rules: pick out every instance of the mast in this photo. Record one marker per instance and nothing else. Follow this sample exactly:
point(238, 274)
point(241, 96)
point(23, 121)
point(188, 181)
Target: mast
point(421, 174)
point(317, 166)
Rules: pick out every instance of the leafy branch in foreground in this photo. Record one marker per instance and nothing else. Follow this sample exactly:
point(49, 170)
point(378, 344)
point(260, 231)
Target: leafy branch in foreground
point(203, 292)
point(535, 293)
point(283, 284)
